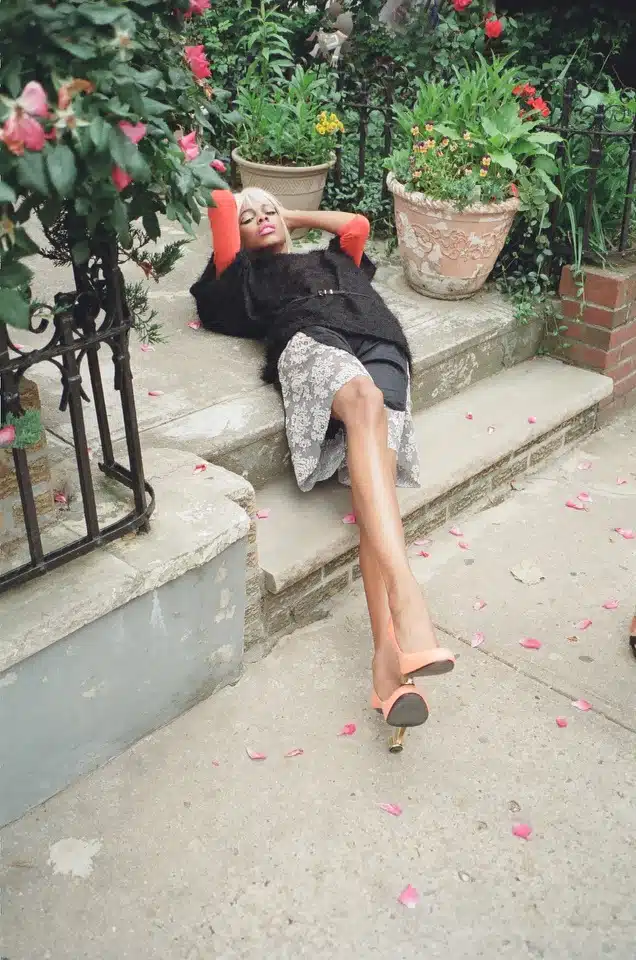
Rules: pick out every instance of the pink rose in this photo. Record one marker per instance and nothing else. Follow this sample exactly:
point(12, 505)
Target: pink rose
point(494, 28)
point(460, 5)
point(134, 131)
point(120, 178)
point(188, 145)
point(33, 100)
point(198, 7)
point(198, 61)
point(21, 130)
point(7, 436)
point(219, 166)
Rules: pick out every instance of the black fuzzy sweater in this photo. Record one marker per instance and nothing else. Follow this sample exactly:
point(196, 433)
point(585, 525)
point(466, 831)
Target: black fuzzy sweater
point(271, 297)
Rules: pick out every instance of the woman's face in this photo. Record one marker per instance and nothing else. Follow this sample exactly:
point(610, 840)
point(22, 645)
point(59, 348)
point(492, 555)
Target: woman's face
point(261, 228)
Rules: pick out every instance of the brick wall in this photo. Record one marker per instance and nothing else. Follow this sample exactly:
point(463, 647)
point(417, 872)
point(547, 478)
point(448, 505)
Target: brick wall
point(599, 312)
point(11, 515)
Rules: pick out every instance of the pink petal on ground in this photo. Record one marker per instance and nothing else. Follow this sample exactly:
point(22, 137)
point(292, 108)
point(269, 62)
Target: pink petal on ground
point(393, 808)
point(469, 416)
point(194, 324)
point(348, 730)
point(573, 505)
point(625, 534)
point(262, 514)
point(409, 897)
point(610, 605)
point(561, 722)
point(456, 532)
point(349, 518)
point(585, 465)
point(146, 348)
point(620, 481)
point(532, 419)
point(463, 545)
point(7, 436)
point(423, 553)
point(255, 756)
point(200, 468)
point(479, 604)
point(215, 763)
point(155, 393)
point(20, 346)
point(59, 497)
point(296, 752)
point(530, 643)
point(423, 543)
point(582, 705)
point(583, 624)
point(522, 830)
point(584, 497)
point(477, 640)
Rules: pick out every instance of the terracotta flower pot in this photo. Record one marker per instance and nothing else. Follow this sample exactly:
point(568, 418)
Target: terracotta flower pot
point(448, 254)
point(297, 188)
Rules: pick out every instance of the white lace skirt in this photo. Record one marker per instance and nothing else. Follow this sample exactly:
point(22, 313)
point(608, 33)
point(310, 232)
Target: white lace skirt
point(311, 373)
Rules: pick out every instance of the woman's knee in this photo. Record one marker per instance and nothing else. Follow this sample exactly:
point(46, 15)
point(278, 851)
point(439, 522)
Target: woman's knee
point(359, 401)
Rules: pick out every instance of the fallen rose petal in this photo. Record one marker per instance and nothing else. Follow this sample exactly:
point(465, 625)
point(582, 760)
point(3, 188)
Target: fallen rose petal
point(146, 348)
point(348, 730)
point(625, 534)
point(479, 604)
point(200, 468)
point(469, 416)
point(532, 419)
point(561, 722)
point(59, 497)
point(194, 324)
point(393, 808)
point(573, 505)
point(610, 605)
point(423, 543)
point(423, 553)
point(621, 481)
point(409, 897)
point(585, 465)
point(522, 830)
point(583, 624)
point(584, 497)
point(155, 393)
point(456, 532)
point(477, 639)
point(255, 756)
point(530, 643)
point(296, 752)
point(463, 545)
point(215, 763)
point(20, 346)
point(262, 514)
point(582, 705)
point(349, 518)
point(7, 436)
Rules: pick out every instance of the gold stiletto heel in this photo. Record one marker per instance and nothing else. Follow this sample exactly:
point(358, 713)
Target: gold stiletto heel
point(396, 742)
point(405, 708)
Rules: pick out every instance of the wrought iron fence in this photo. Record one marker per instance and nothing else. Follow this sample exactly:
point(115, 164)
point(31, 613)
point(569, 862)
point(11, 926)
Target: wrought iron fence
point(92, 317)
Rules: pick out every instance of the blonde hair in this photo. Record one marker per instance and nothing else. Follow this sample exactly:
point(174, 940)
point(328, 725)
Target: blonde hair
point(253, 197)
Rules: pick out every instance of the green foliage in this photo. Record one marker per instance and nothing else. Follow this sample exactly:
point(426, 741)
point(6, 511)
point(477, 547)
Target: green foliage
point(28, 428)
point(98, 65)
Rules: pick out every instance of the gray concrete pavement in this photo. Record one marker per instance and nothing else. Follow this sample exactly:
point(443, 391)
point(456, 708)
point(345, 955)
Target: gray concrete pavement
point(168, 855)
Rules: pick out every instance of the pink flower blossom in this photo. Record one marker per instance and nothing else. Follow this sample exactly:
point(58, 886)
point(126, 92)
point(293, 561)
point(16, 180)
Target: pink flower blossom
point(198, 7)
point(134, 131)
point(120, 178)
point(33, 100)
point(219, 166)
point(21, 130)
point(198, 61)
point(189, 146)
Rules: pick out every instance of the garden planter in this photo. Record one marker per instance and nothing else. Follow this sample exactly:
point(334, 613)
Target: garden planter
point(448, 254)
point(296, 188)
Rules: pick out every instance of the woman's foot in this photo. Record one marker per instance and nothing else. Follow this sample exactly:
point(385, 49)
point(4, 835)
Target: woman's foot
point(413, 635)
point(386, 670)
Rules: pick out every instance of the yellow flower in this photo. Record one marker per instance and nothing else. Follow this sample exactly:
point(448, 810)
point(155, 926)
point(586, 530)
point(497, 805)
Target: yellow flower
point(430, 143)
point(321, 129)
point(467, 136)
point(483, 172)
point(445, 142)
point(486, 161)
point(429, 127)
point(333, 118)
point(415, 131)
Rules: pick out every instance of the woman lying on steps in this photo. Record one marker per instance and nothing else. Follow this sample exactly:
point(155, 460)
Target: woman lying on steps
point(341, 362)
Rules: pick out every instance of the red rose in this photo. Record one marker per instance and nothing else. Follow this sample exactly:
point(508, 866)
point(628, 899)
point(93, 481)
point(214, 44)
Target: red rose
point(514, 189)
point(120, 178)
point(460, 5)
point(517, 91)
point(494, 29)
point(198, 61)
point(529, 91)
point(489, 16)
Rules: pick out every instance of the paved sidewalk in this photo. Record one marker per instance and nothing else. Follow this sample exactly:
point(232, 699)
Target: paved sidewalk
point(163, 854)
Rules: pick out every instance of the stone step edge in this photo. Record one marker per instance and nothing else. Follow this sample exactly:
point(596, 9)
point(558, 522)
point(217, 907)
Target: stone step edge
point(307, 600)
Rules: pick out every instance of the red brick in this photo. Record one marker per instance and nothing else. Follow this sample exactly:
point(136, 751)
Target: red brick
point(597, 316)
point(624, 386)
point(628, 349)
point(583, 333)
point(622, 334)
point(585, 356)
point(620, 370)
point(603, 288)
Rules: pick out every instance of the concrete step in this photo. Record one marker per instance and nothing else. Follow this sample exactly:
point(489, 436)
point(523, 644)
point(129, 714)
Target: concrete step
point(308, 554)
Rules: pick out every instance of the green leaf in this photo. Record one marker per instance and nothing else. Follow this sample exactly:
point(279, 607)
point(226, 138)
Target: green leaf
point(554, 190)
point(100, 13)
point(100, 132)
point(505, 160)
point(60, 162)
point(14, 309)
point(15, 274)
point(83, 51)
point(7, 193)
point(490, 127)
point(153, 108)
point(544, 137)
point(31, 172)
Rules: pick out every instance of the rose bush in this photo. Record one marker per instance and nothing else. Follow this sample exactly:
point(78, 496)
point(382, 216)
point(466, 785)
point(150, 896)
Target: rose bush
point(87, 129)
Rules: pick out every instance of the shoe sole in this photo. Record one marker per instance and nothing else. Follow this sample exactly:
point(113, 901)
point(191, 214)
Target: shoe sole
point(409, 710)
point(433, 669)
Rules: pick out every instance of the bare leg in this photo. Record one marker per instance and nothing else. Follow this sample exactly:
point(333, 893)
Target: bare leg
point(360, 406)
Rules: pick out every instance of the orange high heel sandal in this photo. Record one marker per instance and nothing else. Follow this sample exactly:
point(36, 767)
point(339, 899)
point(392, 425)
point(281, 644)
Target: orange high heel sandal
point(424, 663)
point(405, 708)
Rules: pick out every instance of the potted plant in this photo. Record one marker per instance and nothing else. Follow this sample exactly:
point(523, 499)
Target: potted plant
point(472, 155)
point(286, 138)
